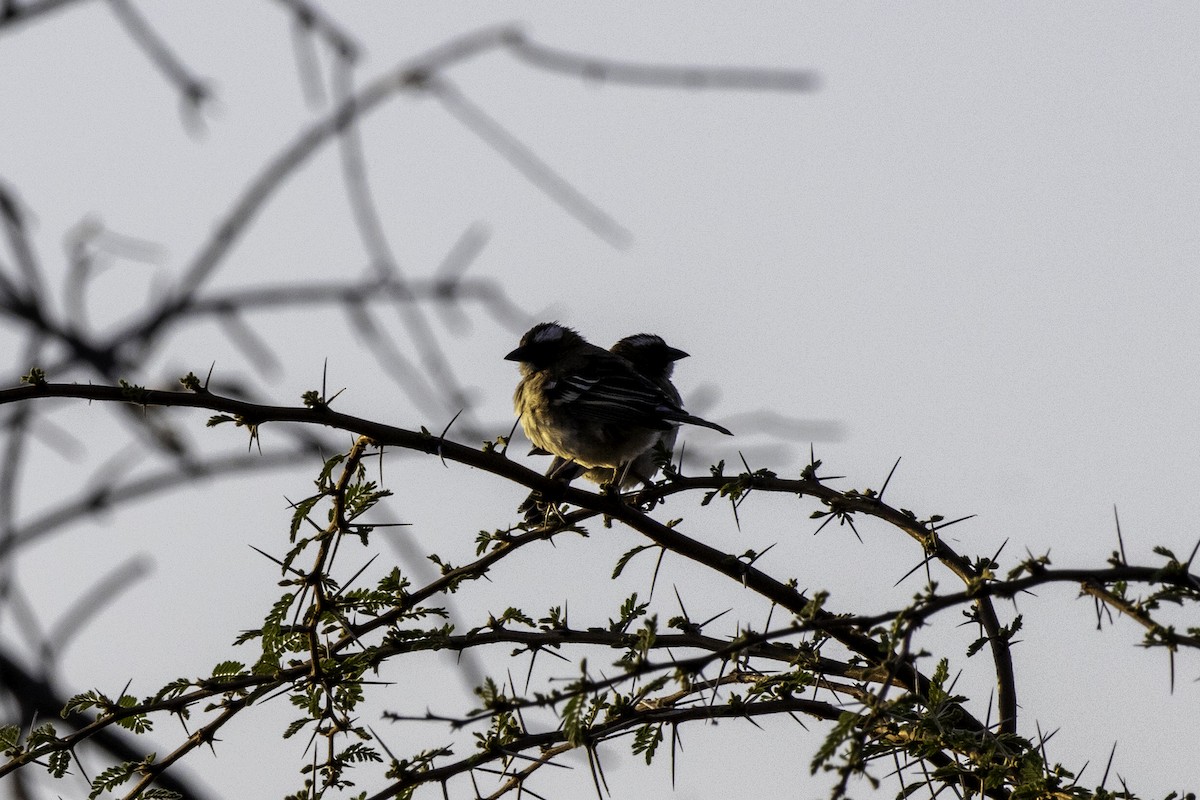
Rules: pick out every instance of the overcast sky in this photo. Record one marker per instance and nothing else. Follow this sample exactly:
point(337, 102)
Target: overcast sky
point(974, 248)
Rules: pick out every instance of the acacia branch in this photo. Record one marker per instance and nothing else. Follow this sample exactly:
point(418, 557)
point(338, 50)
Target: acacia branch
point(605, 731)
point(252, 414)
point(844, 504)
point(848, 630)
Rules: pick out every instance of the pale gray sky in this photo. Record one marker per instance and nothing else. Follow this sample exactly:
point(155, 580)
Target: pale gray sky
point(976, 248)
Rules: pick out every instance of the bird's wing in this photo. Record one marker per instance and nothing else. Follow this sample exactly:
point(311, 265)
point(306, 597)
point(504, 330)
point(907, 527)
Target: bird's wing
point(610, 391)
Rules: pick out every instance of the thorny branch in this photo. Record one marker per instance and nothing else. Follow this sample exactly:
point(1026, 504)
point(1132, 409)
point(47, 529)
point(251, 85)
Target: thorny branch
point(865, 636)
point(74, 348)
point(336, 627)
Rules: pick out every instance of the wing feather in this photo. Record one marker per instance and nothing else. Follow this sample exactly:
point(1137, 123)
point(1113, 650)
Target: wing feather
point(610, 391)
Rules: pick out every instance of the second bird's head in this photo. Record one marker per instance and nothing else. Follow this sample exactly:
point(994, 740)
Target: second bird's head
point(649, 354)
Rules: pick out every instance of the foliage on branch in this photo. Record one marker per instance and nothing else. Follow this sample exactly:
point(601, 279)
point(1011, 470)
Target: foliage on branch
point(889, 709)
point(635, 676)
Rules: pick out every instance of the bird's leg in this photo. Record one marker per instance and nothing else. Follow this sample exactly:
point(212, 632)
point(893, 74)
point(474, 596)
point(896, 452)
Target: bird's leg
point(551, 515)
point(534, 506)
point(562, 469)
point(619, 476)
point(639, 498)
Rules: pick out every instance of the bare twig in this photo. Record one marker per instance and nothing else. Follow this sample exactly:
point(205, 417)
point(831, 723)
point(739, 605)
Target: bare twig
point(191, 89)
point(662, 76)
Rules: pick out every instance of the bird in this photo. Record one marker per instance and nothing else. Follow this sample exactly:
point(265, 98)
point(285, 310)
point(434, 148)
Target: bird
point(599, 411)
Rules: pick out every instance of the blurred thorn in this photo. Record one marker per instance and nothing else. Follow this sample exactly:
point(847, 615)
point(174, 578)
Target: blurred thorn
point(463, 253)
point(448, 277)
point(58, 439)
point(193, 92)
point(529, 164)
point(308, 60)
point(253, 346)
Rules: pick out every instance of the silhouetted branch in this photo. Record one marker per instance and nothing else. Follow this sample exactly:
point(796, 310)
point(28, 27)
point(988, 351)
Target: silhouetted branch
point(40, 700)
point(446, 387)
point(108, 496)
point(662, 76)
point(486, 292)
point(325, 639)
point(313, 18)
point(528, 163)
point(193, 91)
point(15, 229)
point(14, 14)
point(601, 733)
point(878, 642)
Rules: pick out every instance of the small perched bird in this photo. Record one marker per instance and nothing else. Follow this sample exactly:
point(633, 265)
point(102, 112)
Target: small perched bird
point(595, 409)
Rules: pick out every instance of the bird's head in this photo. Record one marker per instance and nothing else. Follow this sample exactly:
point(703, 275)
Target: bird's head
point(649, 354)
point(544, 343)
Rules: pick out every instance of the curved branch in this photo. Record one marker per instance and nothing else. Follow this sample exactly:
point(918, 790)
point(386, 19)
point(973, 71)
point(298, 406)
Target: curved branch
point(843, 504)
point(251, 414)
point(192, 89)
point(106, 497)
point(15, 14)
point(845, 629)
point(662, 76)
point(608, 730)
point(39, 700)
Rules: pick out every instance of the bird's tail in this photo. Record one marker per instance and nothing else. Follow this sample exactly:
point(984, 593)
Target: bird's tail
point(694, 420)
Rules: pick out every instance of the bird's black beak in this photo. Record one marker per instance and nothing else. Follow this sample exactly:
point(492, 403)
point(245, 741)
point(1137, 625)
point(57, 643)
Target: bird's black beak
point(517, 355)
point(674, 354)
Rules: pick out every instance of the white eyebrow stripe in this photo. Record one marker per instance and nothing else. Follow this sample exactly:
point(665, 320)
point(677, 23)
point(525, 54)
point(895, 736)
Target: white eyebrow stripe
point(551, 333)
